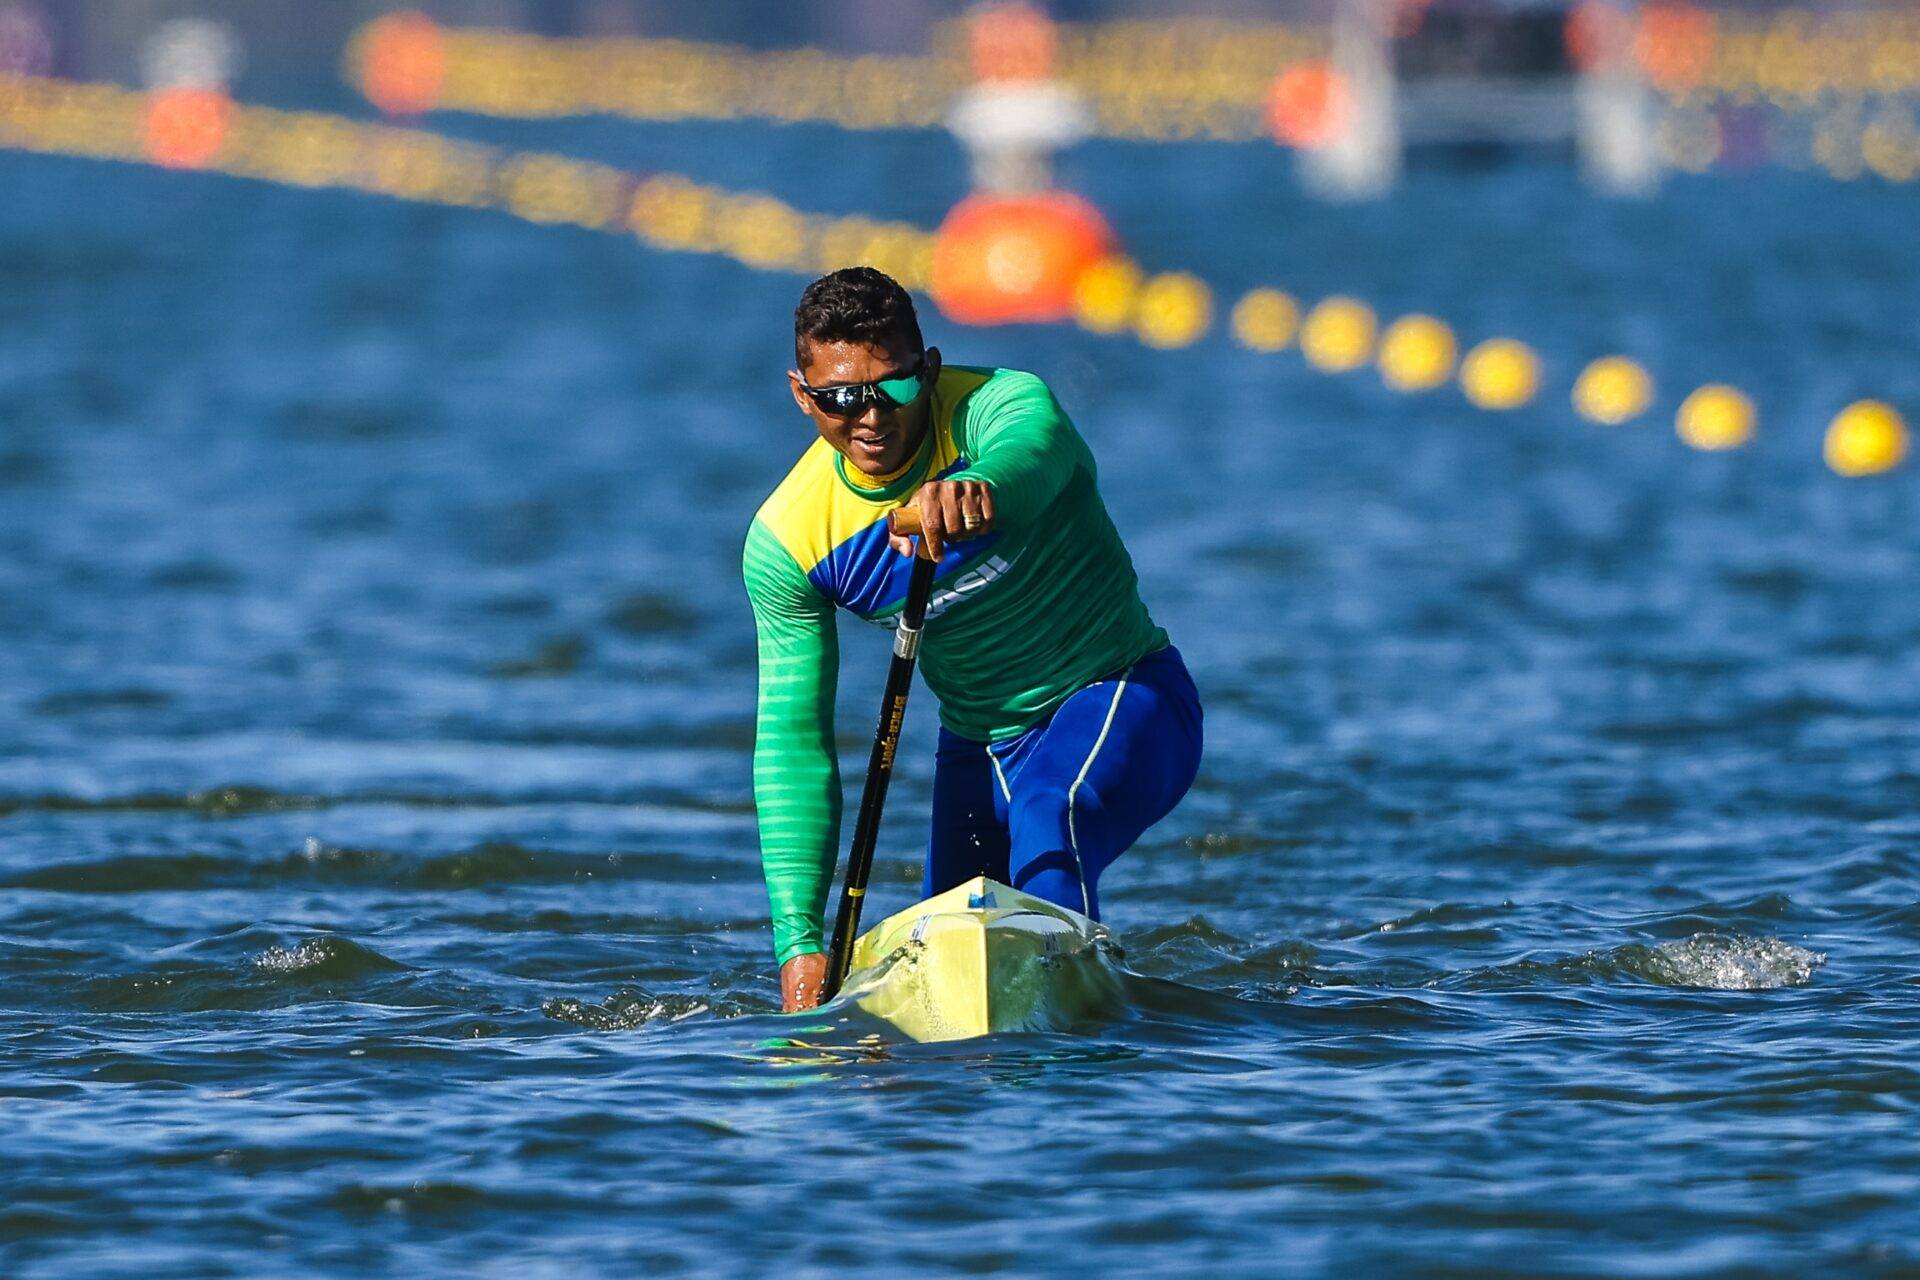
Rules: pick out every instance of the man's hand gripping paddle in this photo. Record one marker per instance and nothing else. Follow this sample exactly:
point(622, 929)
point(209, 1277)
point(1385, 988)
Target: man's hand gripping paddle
point(886, 739)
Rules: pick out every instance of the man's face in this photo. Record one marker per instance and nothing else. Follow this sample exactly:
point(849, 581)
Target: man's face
point(878, 441)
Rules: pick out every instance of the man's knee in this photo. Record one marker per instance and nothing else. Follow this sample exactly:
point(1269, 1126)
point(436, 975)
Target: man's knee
point(1054, 862)
point(1037, 818)
point(1056, 876)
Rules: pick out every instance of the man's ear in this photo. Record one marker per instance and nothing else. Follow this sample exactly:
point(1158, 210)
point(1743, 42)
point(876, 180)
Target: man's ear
point(933, 363)
point(794, 386)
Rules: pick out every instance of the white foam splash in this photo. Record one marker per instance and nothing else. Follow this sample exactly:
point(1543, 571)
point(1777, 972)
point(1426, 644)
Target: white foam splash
point(343, 957)
point(1731, 962)
point(303, 955)
point(625, 1012)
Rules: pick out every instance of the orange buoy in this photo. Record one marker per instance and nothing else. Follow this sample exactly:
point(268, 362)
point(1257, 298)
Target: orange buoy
point(1016, 259)
point(1010, 42)
point(1675, 44)
point(1598, 34)
point(1309, 105)
point(402, 63)
point(186, 127)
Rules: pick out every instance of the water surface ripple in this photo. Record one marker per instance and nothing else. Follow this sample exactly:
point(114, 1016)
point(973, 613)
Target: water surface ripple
point(378, 884)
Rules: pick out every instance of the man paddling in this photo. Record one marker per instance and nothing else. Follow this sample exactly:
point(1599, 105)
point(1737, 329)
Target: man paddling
point(1068, 723)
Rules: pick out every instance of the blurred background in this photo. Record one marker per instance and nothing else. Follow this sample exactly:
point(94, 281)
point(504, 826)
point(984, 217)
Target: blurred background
point(1506, 405)
point(1013, 118)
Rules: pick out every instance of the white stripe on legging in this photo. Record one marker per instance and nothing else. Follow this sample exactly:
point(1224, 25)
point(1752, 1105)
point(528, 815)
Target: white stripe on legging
point(1000, 774)
point(1073, 836)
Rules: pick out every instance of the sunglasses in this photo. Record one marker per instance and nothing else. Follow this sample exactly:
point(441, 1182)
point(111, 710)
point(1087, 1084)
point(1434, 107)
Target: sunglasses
point(851, 401)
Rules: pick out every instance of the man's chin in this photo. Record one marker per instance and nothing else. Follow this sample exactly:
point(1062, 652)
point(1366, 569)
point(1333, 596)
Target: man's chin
point(874, 467)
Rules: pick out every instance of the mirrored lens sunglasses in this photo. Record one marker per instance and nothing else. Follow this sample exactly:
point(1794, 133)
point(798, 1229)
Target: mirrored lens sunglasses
point(851, 401)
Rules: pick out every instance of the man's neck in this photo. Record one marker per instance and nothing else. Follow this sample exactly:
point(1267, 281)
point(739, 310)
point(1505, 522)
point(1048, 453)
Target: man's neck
point(861, 480)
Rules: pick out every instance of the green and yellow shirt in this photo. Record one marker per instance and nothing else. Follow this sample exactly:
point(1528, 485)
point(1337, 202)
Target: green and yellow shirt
point(1019, 619)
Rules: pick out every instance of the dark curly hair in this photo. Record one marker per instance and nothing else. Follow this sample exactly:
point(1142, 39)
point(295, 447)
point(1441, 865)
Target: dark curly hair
point(853, 304)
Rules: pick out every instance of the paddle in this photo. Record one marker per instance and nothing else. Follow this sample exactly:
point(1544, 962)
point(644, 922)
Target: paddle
point(893, 713)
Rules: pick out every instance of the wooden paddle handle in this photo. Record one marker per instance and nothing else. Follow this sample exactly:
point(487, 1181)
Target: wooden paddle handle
point(906, 522)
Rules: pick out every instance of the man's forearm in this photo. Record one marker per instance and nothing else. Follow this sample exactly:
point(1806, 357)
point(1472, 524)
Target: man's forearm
point(799, 807)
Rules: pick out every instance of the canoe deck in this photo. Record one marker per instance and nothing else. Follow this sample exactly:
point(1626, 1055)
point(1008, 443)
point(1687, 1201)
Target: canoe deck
point(981, 958)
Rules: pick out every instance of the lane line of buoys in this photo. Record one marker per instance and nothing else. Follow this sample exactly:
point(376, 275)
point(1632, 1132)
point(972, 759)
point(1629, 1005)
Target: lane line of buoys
point(1796, 57)
point(1169, 310)
point(211, 133)
point(1420, 353)
point(1163, 80)
point(1827, 89)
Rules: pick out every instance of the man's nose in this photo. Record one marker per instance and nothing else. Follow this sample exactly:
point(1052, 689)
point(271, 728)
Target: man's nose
point(870, 416)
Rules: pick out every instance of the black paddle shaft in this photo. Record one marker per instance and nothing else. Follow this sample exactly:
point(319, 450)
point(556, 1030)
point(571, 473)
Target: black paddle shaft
point(886, 739)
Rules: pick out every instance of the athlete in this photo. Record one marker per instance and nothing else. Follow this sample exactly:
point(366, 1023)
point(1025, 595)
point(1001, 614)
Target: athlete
point(1068, 723)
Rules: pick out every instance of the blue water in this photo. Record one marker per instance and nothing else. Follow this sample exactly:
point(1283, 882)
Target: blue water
point(378, 882)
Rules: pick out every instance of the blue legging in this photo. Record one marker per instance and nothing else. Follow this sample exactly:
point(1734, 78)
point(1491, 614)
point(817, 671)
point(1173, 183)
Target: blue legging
point(1048, 811)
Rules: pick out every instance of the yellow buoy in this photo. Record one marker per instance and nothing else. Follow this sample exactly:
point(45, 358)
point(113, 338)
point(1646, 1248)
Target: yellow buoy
point(1612, 390)
point(1338, 335)
point(1173, 310)
point(1500, 373)
point(1265, 320)
point(1866, 438)
point(1715, 417)
point(1104, 295)
point(1417, 353)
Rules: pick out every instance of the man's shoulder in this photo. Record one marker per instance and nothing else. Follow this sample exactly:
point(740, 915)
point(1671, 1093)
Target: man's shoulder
point(974, 395)
point(809, 513)
point(800, 489)
point(976, 389)
point(967, 381)
point(776, 558)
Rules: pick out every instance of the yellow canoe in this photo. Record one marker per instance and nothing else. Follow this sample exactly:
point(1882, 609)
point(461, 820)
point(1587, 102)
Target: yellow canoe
point(980, 958)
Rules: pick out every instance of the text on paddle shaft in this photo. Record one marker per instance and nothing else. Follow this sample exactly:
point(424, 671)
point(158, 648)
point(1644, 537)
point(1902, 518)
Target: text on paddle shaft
point(896, 715)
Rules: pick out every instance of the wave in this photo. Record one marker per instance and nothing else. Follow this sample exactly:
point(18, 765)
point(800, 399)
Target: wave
point(1723, 962)
point(83, 701)
point(1709, 961)
point(493, 863)
point(1452, 921)
point(1195, 955)
point(318, 967)
point(645, 613)
point(244, 799)
point(630, 1008)
point(228, 801)
point(1714, 955)
point(422, 1197)
point(1760, 715)
point(326, 958)
point(559, 656)
point(552, 920)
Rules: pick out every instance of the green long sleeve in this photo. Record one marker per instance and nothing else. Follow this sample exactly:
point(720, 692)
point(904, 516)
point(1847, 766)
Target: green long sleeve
point(796, 771)
point(1021, 443)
